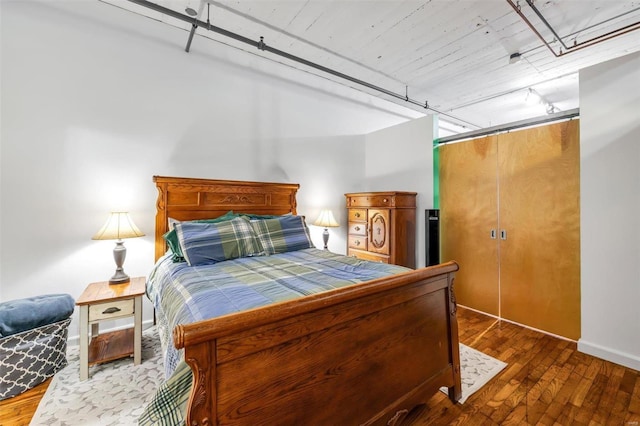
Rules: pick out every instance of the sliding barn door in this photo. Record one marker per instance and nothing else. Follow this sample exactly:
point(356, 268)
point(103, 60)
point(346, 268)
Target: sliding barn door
point(539, 218)
point(525, 186)
point(468, 214)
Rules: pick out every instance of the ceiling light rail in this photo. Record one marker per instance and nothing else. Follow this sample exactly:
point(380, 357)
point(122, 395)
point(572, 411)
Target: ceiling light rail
point(261, 45)
point(576, 46)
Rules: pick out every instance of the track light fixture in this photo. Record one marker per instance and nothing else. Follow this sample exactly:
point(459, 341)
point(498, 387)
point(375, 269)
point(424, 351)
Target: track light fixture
point(550, 108)
point(533, 97)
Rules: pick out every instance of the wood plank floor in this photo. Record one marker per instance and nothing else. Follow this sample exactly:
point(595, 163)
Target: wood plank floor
point(547, 382)
point(19, 410)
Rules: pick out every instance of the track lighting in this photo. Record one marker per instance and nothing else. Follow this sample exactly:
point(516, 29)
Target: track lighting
point(550, 108)
point(533, 97)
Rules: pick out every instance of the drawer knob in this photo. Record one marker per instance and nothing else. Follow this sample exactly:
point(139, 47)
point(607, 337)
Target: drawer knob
point(357, 242)
point(357, 228)
point(384, 200)
point(111, 310)
point(357, 214)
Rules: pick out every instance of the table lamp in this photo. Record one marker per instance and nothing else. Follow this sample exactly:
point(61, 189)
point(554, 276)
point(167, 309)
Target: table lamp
point(326, 220)
point(118, 226)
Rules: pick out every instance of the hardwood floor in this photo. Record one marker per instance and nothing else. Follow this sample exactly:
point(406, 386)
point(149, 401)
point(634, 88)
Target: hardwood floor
point(547, 382)
point(19, 410)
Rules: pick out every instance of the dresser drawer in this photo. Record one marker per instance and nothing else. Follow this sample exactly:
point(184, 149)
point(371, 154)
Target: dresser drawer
point(357, 228)
point(359, 242)
point(371, 201)
point(357, 215)
point(365, 255)
point(111, 310)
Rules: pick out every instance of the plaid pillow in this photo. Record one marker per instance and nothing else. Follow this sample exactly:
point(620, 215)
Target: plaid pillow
point(282, 234)
point(171, 237)
point(205, 243)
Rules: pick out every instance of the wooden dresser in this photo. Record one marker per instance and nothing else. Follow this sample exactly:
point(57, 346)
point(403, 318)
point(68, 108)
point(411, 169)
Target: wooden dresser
point(382, 227)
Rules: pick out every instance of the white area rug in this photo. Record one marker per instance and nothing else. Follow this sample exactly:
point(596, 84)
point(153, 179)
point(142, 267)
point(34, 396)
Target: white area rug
point(117, 392)
point(476, 369)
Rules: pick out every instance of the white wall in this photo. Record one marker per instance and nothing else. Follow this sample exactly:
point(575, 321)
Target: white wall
point(1, 127)
point(96, 100)
point(610, 210)
point(400, 158)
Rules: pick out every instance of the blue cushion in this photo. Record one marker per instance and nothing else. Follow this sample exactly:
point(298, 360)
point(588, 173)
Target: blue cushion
point(20, 315)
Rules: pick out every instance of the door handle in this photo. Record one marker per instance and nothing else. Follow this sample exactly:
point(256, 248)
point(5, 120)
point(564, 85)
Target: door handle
point(493, 234)
point(503, 234)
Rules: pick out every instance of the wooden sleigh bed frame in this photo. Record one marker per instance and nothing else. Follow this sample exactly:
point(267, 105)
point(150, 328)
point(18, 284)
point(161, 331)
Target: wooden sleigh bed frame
point(363, 354)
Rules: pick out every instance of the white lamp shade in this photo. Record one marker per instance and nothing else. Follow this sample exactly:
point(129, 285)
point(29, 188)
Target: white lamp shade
point(118, 226)
point(326, 219)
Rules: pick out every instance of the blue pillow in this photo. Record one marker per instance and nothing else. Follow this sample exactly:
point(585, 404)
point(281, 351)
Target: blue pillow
point(282, 234)
point(206, 243)
point(172, 238)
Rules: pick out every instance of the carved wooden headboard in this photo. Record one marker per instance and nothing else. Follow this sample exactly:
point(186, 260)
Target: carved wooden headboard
point(189, 199)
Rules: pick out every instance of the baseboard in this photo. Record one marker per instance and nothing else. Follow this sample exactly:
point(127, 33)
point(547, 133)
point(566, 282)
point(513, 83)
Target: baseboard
point(75, 340)
point(557, 336)
point(608, 354)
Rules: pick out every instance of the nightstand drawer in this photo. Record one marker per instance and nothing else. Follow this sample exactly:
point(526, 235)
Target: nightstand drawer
point(111, 310)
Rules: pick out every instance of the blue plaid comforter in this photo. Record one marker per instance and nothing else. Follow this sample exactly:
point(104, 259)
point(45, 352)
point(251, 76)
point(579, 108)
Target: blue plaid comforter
point(184, 294)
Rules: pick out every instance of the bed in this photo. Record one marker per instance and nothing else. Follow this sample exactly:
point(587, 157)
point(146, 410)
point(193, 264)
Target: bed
point(364, 353)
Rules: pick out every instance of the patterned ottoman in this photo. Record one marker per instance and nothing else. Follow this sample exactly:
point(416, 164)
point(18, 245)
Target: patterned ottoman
point(33, 341)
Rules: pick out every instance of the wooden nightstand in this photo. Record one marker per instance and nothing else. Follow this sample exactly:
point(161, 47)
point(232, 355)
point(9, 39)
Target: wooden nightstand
point(102, 301)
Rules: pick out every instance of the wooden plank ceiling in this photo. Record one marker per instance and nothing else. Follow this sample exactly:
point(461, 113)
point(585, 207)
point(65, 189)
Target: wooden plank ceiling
point(453, 54)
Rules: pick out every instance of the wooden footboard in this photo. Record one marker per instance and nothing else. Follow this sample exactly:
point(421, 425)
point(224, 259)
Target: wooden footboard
point(364, 354)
